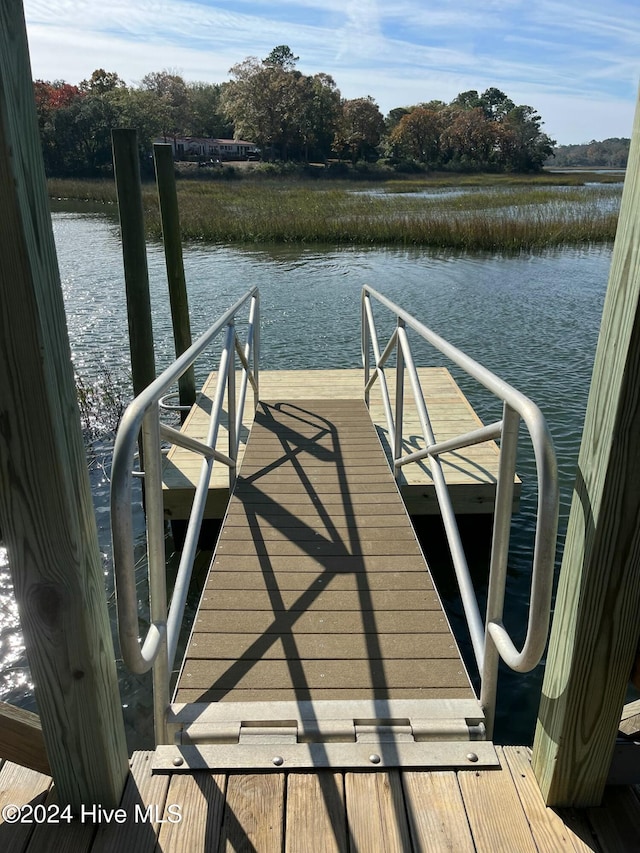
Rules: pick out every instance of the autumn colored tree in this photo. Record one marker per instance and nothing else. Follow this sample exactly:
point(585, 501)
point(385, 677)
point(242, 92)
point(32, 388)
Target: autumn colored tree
point(360, 128)
point(55, 102)
point(469, 139)
point(417, 136)
point(101, 82)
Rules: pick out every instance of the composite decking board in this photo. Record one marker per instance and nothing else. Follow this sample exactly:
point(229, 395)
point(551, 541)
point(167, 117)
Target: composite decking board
point(471, 472)
point(301, 581)
point(290, 604)
point(320, 622)
point(326, 674)
point(344, 533)
point(227, 646)
point(346, 521)
point(343, 537)
point(327, 492)
point(346, 565)
point(309, 545)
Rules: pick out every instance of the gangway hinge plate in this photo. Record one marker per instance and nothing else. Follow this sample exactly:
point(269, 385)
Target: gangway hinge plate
point(326, 734)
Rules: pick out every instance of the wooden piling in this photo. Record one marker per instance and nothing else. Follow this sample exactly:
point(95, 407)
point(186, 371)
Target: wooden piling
point(596, 620)
point(168, 199)
point(134, 251)
point(46, 511)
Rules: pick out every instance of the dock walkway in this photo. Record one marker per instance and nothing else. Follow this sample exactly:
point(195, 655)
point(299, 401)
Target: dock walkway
point(490, 811)
point(318, 588)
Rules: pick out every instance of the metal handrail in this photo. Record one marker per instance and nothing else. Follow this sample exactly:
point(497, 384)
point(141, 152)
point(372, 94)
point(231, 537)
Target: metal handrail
point(158, 648)
point(489, 637)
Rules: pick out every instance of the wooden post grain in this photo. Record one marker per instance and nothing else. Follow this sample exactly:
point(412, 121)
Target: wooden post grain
point(597, 612)
point(46, 511)
point(168, 199)
point(134, 251)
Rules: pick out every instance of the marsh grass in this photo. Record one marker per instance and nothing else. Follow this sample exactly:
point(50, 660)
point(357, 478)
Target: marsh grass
point(500, 215)
point(102, 190)
point(101, 404)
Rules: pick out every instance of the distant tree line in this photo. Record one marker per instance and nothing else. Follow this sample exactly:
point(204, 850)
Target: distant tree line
point(290, 116)
point(609, 154)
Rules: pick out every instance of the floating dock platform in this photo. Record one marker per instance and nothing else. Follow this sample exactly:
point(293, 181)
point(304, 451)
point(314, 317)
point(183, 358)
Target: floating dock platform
point(471, 473)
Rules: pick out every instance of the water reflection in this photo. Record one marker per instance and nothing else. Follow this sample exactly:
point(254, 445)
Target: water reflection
point(15, 679)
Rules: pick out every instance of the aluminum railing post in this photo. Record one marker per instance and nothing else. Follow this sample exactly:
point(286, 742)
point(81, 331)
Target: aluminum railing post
point(156, 563)
point(256, 348)
point(231, 406)
point(399, 414)
point(364, 338)
point(499, 560)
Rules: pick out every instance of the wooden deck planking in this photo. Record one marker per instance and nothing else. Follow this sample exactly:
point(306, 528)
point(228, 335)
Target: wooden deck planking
point(315, 813)
point(471, 473)
point(301, 614)
point(376, 815)
point(403, 811)
point(254, 813)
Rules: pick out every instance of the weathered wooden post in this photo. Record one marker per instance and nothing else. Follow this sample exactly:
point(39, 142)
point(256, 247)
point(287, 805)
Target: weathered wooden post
point(168, 198)
point(597, 613)
point(46, 512)
point(134, 251)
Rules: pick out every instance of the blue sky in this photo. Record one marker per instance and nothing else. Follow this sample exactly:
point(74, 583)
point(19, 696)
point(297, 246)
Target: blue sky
point(576, 61)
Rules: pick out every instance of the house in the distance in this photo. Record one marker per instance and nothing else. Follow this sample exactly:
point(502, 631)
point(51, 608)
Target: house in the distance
point(199, 148)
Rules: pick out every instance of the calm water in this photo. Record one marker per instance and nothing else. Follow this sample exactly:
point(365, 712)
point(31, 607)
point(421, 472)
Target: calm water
point(532, 319)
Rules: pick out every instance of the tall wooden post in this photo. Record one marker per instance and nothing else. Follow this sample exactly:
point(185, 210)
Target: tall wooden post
point(168, 198)
point(134, 250)
point(597, 613)
point(46, 512)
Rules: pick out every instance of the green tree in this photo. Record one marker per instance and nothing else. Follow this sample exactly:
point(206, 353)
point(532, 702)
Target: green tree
point(172, 108)
point(281, 57)
point(523, 145)
point(495, 104)
point(254, 102)
point(319, 110)
point(205, 113)
point(394, 117)
point(469, 100)
point(275, 106)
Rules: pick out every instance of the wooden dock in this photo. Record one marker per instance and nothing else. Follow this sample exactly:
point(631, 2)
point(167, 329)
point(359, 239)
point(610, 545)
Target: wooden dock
point(318, 588)
point(471, 473)
point(492, 811)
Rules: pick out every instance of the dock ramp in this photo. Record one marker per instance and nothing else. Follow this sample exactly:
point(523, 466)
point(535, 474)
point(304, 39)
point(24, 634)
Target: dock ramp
point(320, 609)
point(320, 640)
